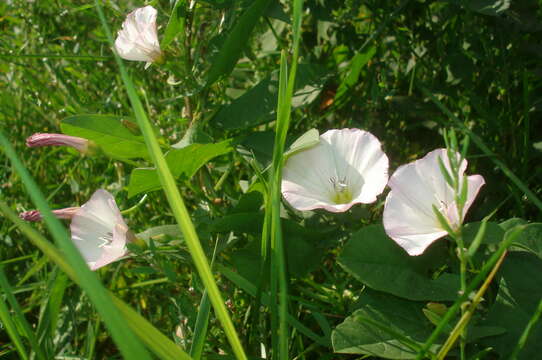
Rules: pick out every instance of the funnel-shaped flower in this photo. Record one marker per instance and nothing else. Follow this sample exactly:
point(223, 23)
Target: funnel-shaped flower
point(409, 218)
point(346, 167)
point(138, 40)
point(99, 231)
point(41, 139)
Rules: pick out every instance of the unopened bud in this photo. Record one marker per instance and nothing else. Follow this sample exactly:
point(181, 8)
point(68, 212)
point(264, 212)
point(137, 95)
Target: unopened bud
point(80, 144)
point(35, 215)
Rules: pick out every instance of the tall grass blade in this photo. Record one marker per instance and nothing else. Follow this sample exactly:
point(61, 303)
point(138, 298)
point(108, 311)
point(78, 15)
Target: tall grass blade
point(278, 263)
point(11, 329)
point(19, 316)
point(176, 202)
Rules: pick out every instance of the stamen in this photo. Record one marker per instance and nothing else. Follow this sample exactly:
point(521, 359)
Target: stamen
point(341, 193)
point(107, 239)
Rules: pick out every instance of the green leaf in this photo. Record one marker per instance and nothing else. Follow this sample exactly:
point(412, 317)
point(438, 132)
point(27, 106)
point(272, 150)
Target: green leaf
point(257, 105)
point(408, 328)
point(175, 24)
point(305, 141)
point(183, 163)
point(304, 249)
point(378, 262)
point(108, 133)
point(520, 290)
point(236, 40)
point(512, 223)
point(494, 233)
point(530, 240)
point(254, 107)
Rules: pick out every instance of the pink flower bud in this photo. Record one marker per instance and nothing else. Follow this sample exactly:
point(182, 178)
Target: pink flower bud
point(40, 139)
point(35, 215)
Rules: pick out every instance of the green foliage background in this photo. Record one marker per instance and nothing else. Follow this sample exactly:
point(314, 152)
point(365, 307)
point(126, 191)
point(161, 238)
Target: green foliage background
point(363, 64)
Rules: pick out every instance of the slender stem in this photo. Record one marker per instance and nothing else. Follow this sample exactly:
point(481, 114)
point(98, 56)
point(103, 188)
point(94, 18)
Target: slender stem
point(463, 280)
point(462, 323)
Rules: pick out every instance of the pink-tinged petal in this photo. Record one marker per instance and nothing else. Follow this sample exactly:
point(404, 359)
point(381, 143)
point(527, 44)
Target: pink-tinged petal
point(475, 183)
point(412, 229)
point(45, 139)
point(98, 230)
point(138, 39)
point(416, 187)
point(349, 159)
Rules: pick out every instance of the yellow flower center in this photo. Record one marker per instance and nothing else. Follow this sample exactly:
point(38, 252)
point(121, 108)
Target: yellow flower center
point(341, 193)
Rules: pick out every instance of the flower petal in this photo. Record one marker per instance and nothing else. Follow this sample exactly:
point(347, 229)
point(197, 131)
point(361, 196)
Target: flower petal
point(416, 187)
point(352, 156)
point(138, 39)
point(94, 225)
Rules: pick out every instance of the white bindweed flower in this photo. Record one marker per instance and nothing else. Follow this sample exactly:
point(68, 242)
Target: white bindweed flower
point(346, 167)
point(409, 218)
point(99, 231)
point(138, 40)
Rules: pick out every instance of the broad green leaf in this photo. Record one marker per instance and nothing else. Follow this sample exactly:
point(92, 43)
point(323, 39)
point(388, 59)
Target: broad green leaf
point(359, 335)
point(254, 107)
point(520, 290)
point(183, 163)
point(304, 248)
point(511, 223)
point(258, 105)
point(305, 141)
point(175, 24)
point(530, 240)
point(249, 222)
point(493, 234)
point(378, 262)
point(108, 133)
point(236, 40)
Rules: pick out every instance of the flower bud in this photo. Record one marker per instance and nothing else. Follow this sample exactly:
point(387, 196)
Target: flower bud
point(35, 215)
point(40, 139)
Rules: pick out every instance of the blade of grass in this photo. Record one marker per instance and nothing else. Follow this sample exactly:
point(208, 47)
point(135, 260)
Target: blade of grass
point(154, 339)
point(200, 330)
point(19, 316)
point(176, 202)
point(128, 344)
point(202, 321)
point(284, 109)
point(11, 329)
